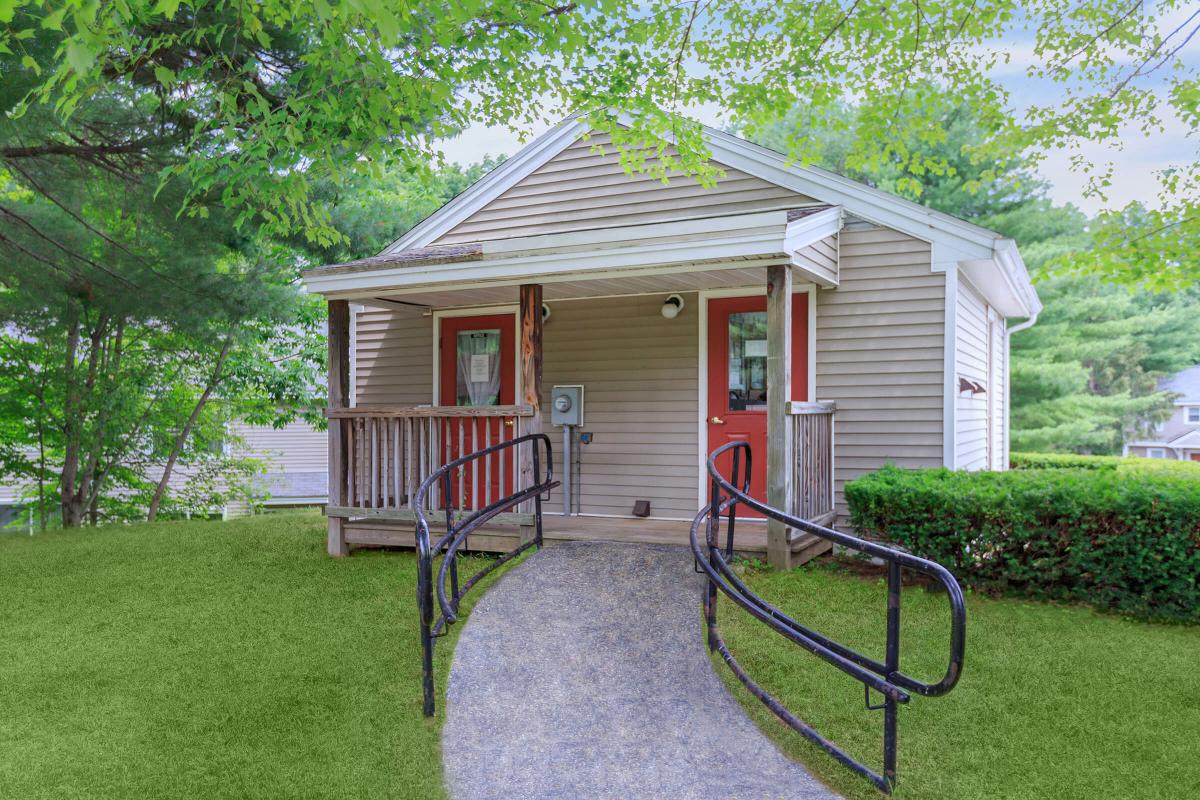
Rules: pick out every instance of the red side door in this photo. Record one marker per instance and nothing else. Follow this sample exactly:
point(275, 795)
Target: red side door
point(737, 377)
point(477, 357)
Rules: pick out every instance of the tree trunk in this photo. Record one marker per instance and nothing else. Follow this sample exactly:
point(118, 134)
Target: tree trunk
point(186, 431)
point(70, 503)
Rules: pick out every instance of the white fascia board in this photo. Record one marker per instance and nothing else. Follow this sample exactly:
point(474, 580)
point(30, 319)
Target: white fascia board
point(860, 200)
point(764, 245)
point(811, 229)
point(489, 187)
point(1004, 281)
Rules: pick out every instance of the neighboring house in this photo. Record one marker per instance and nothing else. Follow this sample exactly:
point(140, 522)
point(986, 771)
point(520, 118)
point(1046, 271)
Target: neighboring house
point(654, 298)
point(294, 458)
point(1179, 436)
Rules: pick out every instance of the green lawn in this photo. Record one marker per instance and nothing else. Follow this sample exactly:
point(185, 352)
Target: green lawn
point(222, 660)
point(213, 660)
point(1054, 702)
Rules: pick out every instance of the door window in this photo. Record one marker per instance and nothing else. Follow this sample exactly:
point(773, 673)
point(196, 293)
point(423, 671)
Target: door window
point(747, 343)
point(478, 368)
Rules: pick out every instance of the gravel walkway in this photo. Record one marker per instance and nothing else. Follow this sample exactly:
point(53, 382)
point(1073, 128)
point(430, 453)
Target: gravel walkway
point(583, 674)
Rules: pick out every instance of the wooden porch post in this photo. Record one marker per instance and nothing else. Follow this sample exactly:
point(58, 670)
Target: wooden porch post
point(531, 381)
point(339, 397)
point(779, 388)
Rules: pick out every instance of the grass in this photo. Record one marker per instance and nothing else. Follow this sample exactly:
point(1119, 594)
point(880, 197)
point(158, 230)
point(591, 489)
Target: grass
point(209, 659)
point(1055, 702)
point(223, 660)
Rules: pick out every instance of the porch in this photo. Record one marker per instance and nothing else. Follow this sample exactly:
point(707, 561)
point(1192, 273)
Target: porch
point(501, 538)
point(660, 383)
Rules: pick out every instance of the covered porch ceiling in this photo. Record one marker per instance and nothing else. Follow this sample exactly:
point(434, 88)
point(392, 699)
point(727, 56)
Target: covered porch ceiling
point(693, 254)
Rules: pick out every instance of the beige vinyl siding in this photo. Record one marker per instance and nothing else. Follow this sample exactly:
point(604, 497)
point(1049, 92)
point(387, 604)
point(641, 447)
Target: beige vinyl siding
point(880, 354)
point(579, 189)
point(393, 357)
point(972, 362)
point(296, 447)
point(998, 394)
point(639, 371)
point(820, 258)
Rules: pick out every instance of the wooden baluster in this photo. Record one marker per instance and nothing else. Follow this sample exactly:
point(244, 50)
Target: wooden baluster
point(374, 443)
point(474, 425)
point(362, 472)
point(487, 466)
point(462, 443)
point(410, 485)
point(348, 449)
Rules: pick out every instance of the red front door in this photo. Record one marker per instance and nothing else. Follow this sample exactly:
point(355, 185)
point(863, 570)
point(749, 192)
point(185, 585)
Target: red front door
point(1195, 456)
point(477, 357)
point(737, 377)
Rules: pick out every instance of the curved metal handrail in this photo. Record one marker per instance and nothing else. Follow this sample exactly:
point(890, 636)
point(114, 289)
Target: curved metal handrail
point(883, 676)
point(456, 535)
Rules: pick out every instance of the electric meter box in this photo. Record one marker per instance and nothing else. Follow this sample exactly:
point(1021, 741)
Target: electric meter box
point(566, 405)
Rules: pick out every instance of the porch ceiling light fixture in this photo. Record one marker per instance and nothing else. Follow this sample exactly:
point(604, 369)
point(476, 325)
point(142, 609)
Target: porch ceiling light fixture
point(672, 306)
point(545, 312)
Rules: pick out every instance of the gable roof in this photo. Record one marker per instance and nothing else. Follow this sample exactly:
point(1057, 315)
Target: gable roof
point(1185, 383)
point(988, 257)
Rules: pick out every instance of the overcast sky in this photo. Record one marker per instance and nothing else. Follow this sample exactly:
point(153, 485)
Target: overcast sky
point(1135, 165)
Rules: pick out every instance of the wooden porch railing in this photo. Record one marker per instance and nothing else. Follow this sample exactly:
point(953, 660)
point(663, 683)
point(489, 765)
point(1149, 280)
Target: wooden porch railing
point(811, 430)
point(387, 451)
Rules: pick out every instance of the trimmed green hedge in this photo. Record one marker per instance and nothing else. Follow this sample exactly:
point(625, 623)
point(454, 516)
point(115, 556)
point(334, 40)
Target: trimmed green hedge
point(1122, 540)
point(1121, 463)
point(1061, 461)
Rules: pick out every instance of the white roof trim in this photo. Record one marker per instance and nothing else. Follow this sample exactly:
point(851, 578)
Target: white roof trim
point(739, 240)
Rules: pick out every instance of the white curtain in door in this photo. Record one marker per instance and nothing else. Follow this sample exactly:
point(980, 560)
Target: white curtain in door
point(478, 368)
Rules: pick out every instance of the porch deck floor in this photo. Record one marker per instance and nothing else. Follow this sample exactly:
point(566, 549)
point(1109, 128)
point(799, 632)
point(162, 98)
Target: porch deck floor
point(750, 539)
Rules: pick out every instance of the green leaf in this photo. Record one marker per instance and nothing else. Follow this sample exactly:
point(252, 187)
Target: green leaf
point(164, 75)
point(167, 8)
point(80, 56)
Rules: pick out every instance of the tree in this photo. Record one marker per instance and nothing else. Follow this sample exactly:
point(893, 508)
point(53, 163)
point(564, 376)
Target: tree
point(1085, 378)
point(259, 102)
point(1086, 375)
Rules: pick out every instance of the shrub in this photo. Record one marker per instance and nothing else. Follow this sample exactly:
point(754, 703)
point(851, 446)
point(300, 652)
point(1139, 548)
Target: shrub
point(1121, 463)
point(1120, 539)
point(1061, 461)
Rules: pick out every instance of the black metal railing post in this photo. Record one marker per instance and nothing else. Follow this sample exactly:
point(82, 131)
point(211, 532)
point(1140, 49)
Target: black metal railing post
point(425, 608)
point(892, 664)
point(883, 677)
point(456, 537)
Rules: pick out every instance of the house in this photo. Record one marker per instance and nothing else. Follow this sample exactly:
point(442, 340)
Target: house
point(294, 461)
point(675, 307)
point(1179, 436)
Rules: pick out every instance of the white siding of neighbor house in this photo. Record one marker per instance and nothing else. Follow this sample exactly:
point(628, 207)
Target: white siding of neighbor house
point(296, 447)
point(394, 357)
point(972, 363)
point(580, 189)
point(880, 354)
point(820, 258)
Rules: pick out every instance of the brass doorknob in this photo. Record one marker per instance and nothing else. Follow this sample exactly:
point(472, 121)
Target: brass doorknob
point(716, 420)
point(509, 422)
